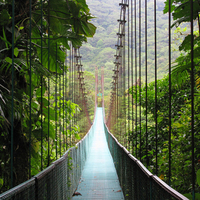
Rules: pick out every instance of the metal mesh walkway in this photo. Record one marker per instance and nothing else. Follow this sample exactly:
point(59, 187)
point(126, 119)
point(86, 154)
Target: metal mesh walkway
point(99, 179)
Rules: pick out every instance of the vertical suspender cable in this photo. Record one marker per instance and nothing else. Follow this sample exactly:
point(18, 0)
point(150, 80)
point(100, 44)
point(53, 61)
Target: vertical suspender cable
point(118, 64)
point(120, 81)
point(132, 117)
point(66, 98)
point(75, 85)
point(12, 108)
point(65, 103)
point(128, 80)
point(60, 130)
point(70, 86)
point(63, 92)
point(124, 72)
point(30, 63)
point(169, 27)
point(192, 99)
point(140, 155)
point(115, 89)
point(73, 88)
point(135, 79)
point(156, 123)
point(120, 91)
point(146, 81)
point(41, 167)
point(117, 99)
point(56, 103)
point(48, 161)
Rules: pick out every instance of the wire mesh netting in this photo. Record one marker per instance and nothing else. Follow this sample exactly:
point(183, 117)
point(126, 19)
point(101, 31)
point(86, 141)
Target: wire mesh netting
point(136, 181)
point(25, 190)
point(59, 180)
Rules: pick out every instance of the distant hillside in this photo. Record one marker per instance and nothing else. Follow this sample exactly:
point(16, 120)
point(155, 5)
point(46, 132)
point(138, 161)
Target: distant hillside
point(100, 50)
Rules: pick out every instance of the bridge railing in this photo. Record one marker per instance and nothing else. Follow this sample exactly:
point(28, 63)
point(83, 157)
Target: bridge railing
point(136, 180)
point(59, 180)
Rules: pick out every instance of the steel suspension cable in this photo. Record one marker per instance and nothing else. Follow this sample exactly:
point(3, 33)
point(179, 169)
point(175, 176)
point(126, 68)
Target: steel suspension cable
point(124, 73)
point(119, 79)
point(41, 80)
point(192, 98)
point(60, 126)
point(70, 86)
point(73, 86)
point(135, 15)
point(12, 94)
point(139, 84)
point(128, 78)
point(67, 96)
point(30, 82)
point(156, 121)
point(48, 85)
point(56, 103)
point(63, 94)
point(146, 81)
point(132, 69)
point(170, 91)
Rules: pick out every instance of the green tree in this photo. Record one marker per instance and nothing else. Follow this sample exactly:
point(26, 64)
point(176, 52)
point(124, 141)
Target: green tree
point(54, 24)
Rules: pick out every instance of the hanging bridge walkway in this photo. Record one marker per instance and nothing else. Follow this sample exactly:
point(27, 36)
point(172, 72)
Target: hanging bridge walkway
point(44, 106)
point(100, 168)
point(99, 178)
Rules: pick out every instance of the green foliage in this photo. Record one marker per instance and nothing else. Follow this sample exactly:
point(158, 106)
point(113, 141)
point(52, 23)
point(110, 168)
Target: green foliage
point(181, 164)
point(181, 134)
point(197, 195)
point(52, 30)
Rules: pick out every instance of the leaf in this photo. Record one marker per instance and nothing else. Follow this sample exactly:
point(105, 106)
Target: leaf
point(84, 6)
point(198, 177)
point(16, 51)
point(49, 112)
point(77, 194)
point(21, 28)
point(186, 44)
point(74, 9)
point(44, 101)
point(161, 176)
point(77, 136)
point(9, 60)
point(49, 127)
point(36, 145)
point(35, 105)
point(38, 92)
point(1, 181)
point(89, 29)
point(49, 57)
point(166, 8)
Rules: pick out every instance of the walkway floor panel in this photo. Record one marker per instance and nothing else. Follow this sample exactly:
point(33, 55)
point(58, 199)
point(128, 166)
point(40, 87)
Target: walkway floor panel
point(99, 179)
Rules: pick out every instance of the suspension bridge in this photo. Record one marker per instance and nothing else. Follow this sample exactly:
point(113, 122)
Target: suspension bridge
point(45, 106)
